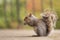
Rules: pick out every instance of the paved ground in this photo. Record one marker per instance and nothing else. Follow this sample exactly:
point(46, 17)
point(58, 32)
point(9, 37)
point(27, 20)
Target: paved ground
point(26, 35)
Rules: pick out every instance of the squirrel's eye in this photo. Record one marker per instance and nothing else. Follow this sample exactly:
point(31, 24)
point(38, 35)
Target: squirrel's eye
point(25, 18)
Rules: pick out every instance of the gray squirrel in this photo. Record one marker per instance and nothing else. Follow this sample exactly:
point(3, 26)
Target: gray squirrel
point(43, 26)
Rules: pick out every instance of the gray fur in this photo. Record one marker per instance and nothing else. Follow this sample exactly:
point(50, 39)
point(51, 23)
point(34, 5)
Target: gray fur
point(38, 24)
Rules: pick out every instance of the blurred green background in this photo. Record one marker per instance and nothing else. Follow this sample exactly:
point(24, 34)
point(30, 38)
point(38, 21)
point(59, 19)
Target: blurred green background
point(12, 12)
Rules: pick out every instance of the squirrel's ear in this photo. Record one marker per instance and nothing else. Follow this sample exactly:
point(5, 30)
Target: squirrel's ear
point(30, 14)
